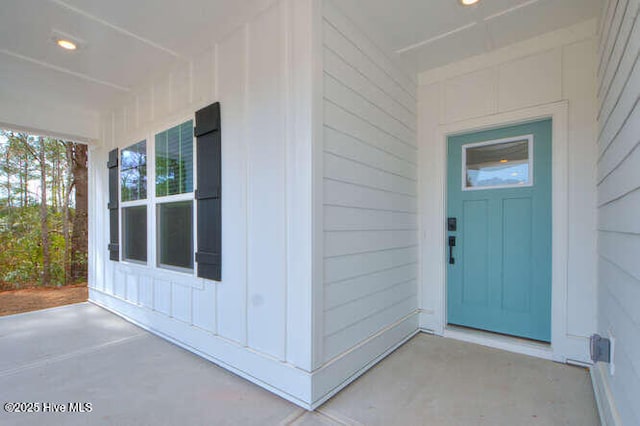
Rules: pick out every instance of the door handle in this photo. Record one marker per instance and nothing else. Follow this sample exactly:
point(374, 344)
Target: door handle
point(452, 244)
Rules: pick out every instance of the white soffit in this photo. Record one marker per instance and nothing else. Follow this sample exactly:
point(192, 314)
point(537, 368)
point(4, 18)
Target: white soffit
point(122, 43)
point(431, 33)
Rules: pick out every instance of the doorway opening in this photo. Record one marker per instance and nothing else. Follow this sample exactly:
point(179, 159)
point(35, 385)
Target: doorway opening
point(43, 222)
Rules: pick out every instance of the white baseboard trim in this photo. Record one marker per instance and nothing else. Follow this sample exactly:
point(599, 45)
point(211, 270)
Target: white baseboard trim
point(284, 380)
point(307, 390)
point(329, 379)
point(609, 415)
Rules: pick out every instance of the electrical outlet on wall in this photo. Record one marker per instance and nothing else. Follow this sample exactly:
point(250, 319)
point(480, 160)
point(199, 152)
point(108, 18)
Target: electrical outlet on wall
point(612, 339)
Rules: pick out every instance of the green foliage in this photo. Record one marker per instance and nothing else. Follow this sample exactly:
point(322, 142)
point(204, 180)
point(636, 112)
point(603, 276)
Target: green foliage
point(21, 251)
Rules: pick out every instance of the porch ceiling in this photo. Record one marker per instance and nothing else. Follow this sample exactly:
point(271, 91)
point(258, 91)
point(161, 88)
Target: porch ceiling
point(432, 33)
point(121, 44)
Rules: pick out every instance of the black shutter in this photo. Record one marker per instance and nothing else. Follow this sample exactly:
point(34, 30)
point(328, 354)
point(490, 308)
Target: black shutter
point(112, 164)
point(207, 132)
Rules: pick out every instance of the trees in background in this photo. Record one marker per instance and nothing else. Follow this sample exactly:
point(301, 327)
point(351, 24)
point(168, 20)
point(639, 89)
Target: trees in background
point(43, 211)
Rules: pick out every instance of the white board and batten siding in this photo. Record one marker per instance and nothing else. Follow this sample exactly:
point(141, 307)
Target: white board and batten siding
point(257, 320)
point(501, 87)
point(618, 207)
point(369, 157)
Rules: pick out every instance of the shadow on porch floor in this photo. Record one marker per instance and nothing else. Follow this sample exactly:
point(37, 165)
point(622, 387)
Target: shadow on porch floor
point(81, 353)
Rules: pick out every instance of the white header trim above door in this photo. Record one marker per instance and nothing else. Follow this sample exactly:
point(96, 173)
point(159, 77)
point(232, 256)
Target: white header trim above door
point(563, 346)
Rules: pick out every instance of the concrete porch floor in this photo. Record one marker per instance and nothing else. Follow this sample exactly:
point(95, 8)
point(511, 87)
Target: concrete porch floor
point(82, 353)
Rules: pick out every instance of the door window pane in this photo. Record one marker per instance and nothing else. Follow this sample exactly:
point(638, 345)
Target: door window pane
point(134, 233)
point(133, 172)
point(502, 164)
point(175, 234)
point(174, 160)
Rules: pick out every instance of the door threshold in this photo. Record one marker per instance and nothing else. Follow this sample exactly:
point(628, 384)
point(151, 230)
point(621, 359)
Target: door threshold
point(500, 341)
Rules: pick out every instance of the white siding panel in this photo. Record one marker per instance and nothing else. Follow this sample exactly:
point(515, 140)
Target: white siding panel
point(621, 286)
point(146, 292)
point(342, 95)
point(180, 92)
point(343, 340)
point(623, 144)
point(621, 215)
point(370, 187)
point(351, 195)
point(343, 292)
point(353, 171)
point(471, 95)
point(531, 81)
point(393, 74)
point(354, 219)
point(132, 288)
point(231, 300)
point(338, 118)
point(619, 199)
point(349, 147)
point(204, 77)
point(204, 307)
point(181, 302)
point(119, 131)
point(618, 50)
point(622, 249)
point(145, 106)
point(119, 284)
point(353, 242)
point(345, 315)
point(162, 296)
point(162, 96)
point(346, 267)
point(613, 121)
point(335, 40)
point(266, 183)
point(622, 180)
point(341, 70)
point(610, 94)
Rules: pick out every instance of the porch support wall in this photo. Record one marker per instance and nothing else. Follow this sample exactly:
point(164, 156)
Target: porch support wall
point(257, 321)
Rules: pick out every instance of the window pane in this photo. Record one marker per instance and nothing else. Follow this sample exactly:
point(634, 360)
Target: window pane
point(500, 164)
point(175, 239)
point(174, 160)
point(133, 172)
point(134, 233)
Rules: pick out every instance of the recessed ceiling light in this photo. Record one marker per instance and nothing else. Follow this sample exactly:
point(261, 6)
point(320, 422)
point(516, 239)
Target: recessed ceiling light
point(66, 44)
point(468, 2)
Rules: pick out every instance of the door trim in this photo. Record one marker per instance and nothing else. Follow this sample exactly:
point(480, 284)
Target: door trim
point(433, 294)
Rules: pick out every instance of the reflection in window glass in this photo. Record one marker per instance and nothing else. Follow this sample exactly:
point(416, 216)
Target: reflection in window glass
point(175, 234)
point(133, 172)
point(497, 165)
point(134, 233)
point(174, 160)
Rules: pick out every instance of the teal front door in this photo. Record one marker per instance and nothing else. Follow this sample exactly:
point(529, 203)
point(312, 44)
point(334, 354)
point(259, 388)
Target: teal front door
point(499, 230)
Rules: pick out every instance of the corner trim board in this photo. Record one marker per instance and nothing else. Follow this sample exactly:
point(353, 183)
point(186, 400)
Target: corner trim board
point(607, 410)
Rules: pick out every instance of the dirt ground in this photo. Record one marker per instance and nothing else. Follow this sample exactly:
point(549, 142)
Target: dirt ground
point(33, 299)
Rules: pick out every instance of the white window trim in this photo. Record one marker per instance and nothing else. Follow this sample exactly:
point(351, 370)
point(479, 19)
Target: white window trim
point(530, 183)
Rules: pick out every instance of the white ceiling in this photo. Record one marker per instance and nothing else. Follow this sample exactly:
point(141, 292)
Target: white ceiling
point(125, 42)
point(432, 33)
